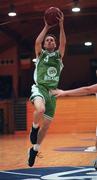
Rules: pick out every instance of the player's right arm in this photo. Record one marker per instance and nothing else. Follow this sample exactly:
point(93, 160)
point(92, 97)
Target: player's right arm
point(39, 40)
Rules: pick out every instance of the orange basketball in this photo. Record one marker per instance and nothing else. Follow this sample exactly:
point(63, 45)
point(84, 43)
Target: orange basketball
point(51, 15)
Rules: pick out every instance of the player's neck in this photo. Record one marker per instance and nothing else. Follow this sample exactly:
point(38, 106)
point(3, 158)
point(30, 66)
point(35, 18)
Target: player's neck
point(50, 50)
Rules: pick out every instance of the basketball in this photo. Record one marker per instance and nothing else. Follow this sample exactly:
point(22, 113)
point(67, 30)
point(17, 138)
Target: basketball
point(51, 15)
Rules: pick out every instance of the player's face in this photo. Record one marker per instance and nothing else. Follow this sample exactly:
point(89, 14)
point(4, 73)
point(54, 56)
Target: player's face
point(49, 43)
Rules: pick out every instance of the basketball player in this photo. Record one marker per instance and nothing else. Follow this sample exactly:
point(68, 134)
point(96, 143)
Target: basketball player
point(46, 76)
point(77, 92)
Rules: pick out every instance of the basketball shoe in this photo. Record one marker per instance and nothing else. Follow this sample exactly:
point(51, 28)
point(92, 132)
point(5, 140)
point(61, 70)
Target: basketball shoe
point(32, 156)
point(95, 164)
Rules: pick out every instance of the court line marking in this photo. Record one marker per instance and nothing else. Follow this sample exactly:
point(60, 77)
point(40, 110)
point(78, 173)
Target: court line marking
point(22, 174)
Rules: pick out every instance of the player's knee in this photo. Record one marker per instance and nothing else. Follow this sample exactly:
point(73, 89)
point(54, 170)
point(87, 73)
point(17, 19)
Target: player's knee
point(41, 110)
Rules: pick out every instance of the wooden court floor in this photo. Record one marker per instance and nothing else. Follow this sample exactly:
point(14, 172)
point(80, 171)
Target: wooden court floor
point(13, 151)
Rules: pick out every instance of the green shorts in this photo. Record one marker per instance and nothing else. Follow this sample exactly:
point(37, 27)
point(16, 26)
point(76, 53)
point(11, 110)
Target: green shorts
point(49, 99)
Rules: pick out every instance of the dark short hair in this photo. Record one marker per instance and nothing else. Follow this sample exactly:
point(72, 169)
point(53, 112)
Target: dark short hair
point(51, 36)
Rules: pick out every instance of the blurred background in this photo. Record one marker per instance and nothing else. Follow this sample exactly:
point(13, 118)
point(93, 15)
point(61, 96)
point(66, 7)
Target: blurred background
point(20, 23)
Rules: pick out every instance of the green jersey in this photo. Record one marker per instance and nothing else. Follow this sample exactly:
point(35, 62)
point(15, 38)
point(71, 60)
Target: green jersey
point(48, 69)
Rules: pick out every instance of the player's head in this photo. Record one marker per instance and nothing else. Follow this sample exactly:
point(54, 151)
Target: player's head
point(50, 42)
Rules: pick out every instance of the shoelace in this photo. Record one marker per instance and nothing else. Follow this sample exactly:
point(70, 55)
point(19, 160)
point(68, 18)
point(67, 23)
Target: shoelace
point(39, 155)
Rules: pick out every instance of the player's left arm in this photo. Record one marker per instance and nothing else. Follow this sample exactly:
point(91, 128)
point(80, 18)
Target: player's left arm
point(62, 38)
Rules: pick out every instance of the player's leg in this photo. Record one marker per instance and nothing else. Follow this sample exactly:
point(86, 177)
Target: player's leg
point(39, 103)
point(48, 115)
point(37, 115)
point(39, 111)
point(43, 130)
point(40, 137)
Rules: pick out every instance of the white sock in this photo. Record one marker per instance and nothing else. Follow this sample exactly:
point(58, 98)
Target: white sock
point(36, 147)
point(35, 125)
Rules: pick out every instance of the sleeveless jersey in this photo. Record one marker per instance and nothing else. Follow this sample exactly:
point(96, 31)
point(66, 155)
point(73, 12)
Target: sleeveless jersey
point(48, 69)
